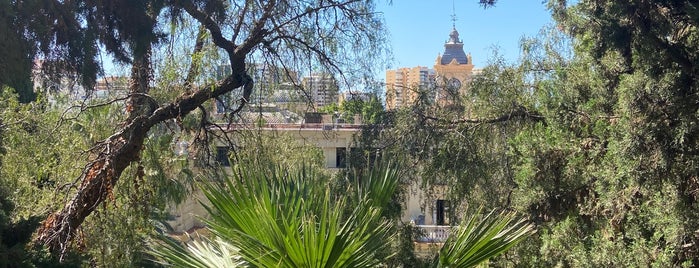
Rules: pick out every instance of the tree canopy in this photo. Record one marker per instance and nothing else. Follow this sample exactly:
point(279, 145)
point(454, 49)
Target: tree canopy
point(592, 133)
point(334, 36)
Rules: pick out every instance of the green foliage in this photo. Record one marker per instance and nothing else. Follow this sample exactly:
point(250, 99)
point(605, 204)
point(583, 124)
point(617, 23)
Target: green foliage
point(275, 216)
point(260, 149)
point(43, 154)
point(607, 163)
point(370, 111)
point(477, 240)
point(15, 68)
point(405, 249)
point(69, 34)
point(270, 216)
point(26, 184)
point(611, 174)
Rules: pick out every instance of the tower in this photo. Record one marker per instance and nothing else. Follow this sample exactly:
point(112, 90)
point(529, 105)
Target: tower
point(454, 68)
point(322, 88)
point(443, 84)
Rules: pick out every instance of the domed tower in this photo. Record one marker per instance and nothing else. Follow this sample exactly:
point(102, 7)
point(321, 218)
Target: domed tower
point(454, 50)
point(453, 68)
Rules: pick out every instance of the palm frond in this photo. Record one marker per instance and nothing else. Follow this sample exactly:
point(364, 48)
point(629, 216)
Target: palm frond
point(275, 217)
point(199, 253)
point(477, 240)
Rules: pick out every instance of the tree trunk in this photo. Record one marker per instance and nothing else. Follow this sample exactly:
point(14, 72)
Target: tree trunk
point(98, 181)
point(116, 153)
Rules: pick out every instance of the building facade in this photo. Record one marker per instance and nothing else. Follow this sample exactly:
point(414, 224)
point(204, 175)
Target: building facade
point(454, 70)
point(333, 139)
point(322, 88)
point(403, 85)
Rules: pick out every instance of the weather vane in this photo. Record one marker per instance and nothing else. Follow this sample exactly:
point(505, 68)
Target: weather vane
point(453, 14)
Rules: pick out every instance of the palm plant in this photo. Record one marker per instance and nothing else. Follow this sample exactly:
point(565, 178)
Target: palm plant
point(273, 217)
point(200, 252)
point(280, 218)
point(478, 239)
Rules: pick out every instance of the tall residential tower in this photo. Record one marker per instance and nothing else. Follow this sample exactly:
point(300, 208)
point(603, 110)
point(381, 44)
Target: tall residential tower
point(404, 84)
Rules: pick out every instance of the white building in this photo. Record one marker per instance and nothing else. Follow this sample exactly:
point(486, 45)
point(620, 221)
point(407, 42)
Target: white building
point(335, 140)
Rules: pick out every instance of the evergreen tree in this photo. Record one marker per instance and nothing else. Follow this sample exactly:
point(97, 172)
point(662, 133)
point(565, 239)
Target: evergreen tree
point(593, 134)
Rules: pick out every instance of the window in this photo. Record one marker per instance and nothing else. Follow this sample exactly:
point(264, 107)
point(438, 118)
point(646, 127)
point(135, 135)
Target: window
point(340, 157)
point(222, 156)
point(363, 157)
point(220, 108)
point(442, 212)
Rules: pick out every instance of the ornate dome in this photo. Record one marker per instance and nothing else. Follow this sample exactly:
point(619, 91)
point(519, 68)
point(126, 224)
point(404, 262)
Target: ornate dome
point(454, 50)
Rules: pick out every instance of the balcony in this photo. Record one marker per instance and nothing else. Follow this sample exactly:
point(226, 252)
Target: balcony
point(433, 233)
point(430, 240)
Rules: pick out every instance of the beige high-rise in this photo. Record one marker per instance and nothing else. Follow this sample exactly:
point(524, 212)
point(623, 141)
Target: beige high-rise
point(403, 85)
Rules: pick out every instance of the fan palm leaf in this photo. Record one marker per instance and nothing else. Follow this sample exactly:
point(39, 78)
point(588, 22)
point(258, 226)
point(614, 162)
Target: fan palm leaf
point(479, 239)
point(280, 218)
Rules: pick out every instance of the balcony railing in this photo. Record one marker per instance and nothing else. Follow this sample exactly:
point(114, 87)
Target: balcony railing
point(433, 233)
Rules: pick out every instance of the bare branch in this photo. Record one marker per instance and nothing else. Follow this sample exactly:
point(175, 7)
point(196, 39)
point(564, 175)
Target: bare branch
point(210, 25)
point(241, 20)
point(194, 66)
point(257, 33)
point(518, 112)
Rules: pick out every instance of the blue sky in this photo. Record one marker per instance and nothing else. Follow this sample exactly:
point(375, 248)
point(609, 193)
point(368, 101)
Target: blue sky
point(419, 28)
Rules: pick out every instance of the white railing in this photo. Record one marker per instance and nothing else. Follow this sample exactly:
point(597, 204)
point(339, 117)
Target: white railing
point(433, 233)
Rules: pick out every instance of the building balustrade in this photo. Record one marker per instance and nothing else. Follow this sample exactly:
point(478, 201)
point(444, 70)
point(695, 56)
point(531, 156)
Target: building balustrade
point(433, 233)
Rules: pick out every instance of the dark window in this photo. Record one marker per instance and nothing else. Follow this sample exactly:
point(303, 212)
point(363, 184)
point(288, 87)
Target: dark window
point(220, 107)
point(443, 212)
point(363, 157)
point(340, 157)
point(222, 156)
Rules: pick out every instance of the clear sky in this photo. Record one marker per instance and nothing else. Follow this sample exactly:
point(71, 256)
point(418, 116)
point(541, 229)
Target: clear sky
point(419, 28)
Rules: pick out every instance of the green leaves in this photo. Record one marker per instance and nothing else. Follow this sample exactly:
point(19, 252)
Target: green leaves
point(477, 240)
point(280, 218)
point(275, 217)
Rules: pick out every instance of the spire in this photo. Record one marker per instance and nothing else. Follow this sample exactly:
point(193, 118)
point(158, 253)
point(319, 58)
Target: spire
point(454, 47)
point(454, 35)
point(453, 14)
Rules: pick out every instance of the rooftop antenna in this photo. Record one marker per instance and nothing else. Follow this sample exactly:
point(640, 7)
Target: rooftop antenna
point(453, 14)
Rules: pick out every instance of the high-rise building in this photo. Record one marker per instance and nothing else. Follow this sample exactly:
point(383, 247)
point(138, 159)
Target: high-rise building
point(354, 96)
point(403, 85)
point(268, 81)
point(322, 88)
point(443, 84)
